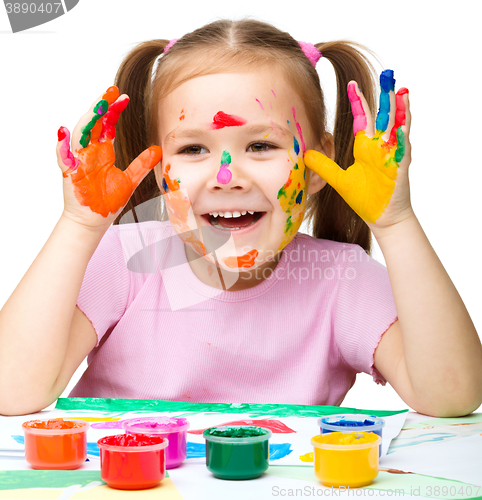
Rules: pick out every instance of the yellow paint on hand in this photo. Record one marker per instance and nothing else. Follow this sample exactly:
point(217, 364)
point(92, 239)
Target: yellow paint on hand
point(367, 185)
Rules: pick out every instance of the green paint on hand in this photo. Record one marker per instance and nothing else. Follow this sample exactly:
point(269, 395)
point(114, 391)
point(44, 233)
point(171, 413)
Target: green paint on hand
point(400, 152)
point(100, 110)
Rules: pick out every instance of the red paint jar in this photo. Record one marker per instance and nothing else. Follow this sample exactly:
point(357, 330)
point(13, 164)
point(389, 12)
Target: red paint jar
point(132, 462)
point(56, 443)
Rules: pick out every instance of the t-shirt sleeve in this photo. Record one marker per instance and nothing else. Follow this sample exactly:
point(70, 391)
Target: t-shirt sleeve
point(106, 285)
point(365, 309)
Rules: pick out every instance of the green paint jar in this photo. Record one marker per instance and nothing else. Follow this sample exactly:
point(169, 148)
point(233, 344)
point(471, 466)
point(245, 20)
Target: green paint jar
point(237, 452)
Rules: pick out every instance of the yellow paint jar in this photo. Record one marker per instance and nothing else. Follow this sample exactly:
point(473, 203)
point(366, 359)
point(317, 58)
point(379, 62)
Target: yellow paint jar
point(349, 460)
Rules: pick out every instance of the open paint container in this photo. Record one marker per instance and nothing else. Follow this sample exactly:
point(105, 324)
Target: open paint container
point(237, 452)
point(352, 422)
point(56, 443)
point(349, 460)
point(174, 429)
point(132, 462)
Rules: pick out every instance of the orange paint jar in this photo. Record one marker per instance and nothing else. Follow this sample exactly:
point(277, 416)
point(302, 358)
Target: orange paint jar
point(349, 460)
point(55, 444)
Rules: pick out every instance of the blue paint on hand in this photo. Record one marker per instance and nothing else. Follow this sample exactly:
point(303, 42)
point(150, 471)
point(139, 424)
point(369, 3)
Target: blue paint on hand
point(164, 185)
point(387, 84)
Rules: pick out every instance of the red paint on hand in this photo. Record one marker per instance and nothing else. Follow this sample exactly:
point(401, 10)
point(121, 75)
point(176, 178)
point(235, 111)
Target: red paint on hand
point(222, 120)
point(400, 115)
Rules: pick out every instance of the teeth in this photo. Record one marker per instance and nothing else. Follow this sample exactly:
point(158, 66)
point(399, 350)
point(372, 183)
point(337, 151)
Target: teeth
point(230, 214)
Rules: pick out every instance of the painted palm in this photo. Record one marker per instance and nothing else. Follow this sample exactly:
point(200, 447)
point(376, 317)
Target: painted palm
point(98, 183)
point(368, 185)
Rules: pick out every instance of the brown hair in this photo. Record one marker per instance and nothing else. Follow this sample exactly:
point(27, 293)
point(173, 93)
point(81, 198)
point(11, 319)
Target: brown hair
point(225, 46)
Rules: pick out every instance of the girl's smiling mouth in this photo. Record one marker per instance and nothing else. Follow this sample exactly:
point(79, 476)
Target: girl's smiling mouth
point(237, 220)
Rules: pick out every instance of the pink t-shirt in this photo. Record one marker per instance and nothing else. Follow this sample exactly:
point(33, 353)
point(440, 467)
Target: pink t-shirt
point(299, 337)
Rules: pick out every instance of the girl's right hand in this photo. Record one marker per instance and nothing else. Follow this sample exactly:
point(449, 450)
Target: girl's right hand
point(95, 190)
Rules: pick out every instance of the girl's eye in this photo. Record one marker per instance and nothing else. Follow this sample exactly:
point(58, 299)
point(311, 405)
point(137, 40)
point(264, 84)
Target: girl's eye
point(260, 147)
point(193, 150)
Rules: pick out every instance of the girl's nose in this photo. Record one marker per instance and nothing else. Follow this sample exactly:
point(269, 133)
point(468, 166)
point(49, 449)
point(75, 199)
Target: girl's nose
point(228, 175)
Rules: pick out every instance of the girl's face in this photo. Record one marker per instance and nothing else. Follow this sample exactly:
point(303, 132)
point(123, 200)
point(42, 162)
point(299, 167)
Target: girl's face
point(233, 162)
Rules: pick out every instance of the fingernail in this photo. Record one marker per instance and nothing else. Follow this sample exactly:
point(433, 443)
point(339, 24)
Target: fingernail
point(61, 134)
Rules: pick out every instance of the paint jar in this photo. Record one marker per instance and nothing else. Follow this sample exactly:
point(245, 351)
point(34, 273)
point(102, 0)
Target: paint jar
point(132, 462)
point(237, 452)
point(55, 443)
point(174, 429)
point(352, 422)
point(349, 460)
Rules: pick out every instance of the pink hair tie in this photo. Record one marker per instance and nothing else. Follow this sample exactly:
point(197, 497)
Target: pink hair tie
point(170, 44)
point(311, 52)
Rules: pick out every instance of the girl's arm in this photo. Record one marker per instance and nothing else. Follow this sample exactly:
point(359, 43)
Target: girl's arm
point(40, 345)
point(432, 355)
point(43, 335)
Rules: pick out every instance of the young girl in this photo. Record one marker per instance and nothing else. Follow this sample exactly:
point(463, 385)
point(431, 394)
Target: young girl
point(226, 301)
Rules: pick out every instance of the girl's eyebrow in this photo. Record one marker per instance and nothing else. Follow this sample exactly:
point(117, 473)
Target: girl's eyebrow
point(254, 129)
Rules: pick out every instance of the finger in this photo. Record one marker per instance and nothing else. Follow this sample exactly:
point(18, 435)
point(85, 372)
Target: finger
point(145, 162)
point(362, 119)
point(326, 168)
point(387, 100)
point(402, 108)
point(111, 117)
point(66, 160)
point(82, 133)
point(402, 125)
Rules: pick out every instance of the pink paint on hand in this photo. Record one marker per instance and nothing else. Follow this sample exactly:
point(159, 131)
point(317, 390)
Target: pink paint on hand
point(66, 155)
point(109, 121)
point(222, 120)
point(359, 117)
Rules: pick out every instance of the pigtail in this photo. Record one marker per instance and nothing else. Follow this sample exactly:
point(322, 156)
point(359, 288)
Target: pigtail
point(132, 131)
point(329, 214)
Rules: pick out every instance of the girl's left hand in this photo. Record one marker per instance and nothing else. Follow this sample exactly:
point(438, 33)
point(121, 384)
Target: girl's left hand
point(376, 186)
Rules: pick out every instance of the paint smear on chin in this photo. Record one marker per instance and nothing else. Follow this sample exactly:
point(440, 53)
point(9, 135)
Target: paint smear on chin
point(222, 120)
point(246, 260)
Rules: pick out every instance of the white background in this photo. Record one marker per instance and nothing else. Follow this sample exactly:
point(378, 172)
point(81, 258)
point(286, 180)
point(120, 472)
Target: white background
point(49, 76)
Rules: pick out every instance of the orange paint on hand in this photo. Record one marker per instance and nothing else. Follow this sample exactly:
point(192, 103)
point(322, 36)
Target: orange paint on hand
point(246, 260)
point(100, 185)
point(173, 185)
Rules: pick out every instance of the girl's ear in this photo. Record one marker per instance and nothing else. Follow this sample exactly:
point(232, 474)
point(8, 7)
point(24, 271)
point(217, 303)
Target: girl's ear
point(327, 147)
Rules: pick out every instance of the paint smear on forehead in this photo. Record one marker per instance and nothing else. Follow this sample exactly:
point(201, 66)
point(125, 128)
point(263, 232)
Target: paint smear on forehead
point(222, 120)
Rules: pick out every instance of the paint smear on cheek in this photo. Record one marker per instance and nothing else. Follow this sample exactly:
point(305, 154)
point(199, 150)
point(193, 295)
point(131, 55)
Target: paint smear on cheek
point(260, 105)
point(222, 120)
point(246, 260)
point(182, 115)
point(224, 174)
point(167, 183)
point(298, 128)
point(292, 200)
